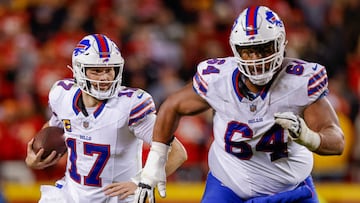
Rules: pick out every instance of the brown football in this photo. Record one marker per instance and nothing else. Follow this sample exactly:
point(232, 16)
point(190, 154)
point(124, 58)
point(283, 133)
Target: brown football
point(50, 138)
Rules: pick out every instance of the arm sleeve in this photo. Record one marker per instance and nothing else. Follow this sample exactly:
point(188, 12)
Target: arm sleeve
point(142, 115)
point(54, 97)
point(144, 129)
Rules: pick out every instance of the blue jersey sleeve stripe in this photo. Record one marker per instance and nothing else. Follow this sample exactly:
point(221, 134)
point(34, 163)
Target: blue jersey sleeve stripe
point(141, 106)
point(318, 82)
point(317, 76)
point(200, 84)
point(141, 116)
point(319, 87)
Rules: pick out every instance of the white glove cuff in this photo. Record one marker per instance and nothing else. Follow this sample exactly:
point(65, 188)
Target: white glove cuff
point(156, 161)
point(160, 147)
point(137, 178)
point(308, 138)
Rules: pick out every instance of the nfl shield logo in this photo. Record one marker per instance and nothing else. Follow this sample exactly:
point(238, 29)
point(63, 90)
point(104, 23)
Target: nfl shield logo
point(252, 107)
point(85, 124)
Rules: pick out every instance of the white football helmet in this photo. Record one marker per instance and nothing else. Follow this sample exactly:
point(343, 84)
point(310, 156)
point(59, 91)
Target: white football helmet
point(97, 50)
point(261, 29)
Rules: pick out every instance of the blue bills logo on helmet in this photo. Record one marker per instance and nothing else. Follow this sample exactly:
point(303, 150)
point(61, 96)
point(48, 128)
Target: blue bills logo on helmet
point(235, 23)
point(81, 47)
point(271, 18)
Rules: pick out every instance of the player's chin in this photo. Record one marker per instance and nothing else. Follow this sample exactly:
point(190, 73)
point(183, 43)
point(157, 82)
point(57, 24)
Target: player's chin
point(104, 89)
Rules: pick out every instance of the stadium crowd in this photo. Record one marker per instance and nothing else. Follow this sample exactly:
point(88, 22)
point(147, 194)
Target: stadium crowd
point(162, 41)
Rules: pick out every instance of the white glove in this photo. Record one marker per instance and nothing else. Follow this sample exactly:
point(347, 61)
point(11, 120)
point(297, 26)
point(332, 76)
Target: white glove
point(146, 190)
point(153, 174)
point(298, 130)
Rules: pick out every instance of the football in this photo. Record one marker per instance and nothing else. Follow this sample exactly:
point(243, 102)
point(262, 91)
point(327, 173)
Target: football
point(50, 138)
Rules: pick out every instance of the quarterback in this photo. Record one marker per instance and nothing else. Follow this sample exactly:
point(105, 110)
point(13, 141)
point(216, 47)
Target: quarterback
point(105, 125)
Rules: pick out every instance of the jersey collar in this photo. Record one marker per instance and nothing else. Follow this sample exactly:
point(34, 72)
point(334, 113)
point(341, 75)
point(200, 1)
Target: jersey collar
point(242, 91)
point(78, 105)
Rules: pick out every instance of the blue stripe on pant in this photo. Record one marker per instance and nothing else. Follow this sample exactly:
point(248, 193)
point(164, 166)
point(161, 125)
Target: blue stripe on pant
point(216, 192)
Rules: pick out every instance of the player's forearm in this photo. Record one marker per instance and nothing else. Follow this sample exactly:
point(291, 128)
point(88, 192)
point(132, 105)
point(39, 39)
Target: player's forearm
point(332, 141)
point(177, 157)
point(322, 119)
point(166, 122)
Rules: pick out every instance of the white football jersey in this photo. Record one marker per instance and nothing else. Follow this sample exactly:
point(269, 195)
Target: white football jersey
point(105, 146)
point(250, 154)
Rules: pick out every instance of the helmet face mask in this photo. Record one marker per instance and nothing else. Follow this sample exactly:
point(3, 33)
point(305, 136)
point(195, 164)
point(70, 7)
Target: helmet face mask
point(97, 51)
point(258, 42)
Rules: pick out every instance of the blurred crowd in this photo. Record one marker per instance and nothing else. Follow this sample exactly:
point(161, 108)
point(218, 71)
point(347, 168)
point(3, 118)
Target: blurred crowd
point(162, 41)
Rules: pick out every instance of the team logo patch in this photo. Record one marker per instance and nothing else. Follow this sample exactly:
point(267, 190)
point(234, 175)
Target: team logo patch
point(271, 18)
point(82, 47)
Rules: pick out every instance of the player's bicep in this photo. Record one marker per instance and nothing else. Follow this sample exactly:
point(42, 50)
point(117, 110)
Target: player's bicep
point(183, 102)
point(320, 114)
point(187, 101)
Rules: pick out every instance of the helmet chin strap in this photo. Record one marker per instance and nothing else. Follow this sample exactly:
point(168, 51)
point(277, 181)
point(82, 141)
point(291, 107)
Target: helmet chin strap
point(101, 95)
point(261, 81)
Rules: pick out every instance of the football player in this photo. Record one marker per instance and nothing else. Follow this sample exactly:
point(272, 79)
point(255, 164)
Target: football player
point(270, 114)
point(105, 125)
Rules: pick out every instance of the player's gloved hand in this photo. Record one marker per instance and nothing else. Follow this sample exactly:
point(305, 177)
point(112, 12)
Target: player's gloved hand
point(144, 192)
point(153, 174)
point(298, 130)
